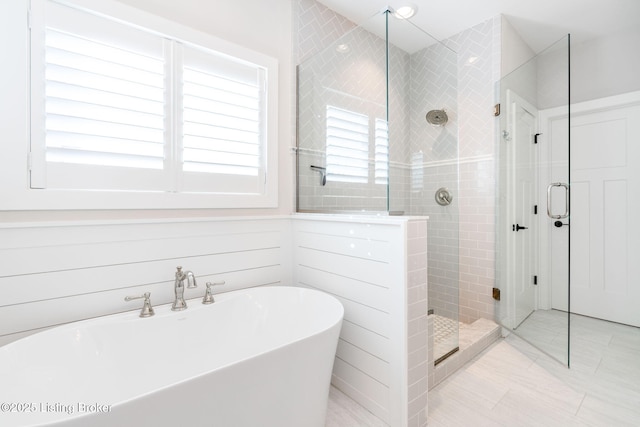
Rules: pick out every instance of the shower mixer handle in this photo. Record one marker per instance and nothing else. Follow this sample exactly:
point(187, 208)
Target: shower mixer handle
point(518, 227)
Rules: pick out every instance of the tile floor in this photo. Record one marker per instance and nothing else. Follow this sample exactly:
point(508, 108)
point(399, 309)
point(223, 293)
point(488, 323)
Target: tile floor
point(445, 335)
point(512, 383)
point(548, 331)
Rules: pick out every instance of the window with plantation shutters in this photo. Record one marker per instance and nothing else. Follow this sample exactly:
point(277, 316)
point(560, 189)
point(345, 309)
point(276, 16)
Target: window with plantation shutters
point(119, 107)
point(347, 148)
point(381, 133)
point(349, 139)
point(222, 120)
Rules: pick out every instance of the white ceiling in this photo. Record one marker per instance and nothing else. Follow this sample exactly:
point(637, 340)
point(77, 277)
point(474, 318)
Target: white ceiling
point(539, 22)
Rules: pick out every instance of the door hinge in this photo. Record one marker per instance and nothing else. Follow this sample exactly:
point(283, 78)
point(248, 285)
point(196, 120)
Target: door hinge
point(496, 110)
point(535, 280)
point(496, 294)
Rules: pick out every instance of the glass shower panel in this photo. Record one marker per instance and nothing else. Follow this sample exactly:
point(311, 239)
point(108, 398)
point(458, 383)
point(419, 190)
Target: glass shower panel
point(533, 205)
point(342, 125)
point(424, 158)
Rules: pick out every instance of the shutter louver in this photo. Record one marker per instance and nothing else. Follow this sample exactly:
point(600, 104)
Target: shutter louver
point(221, 131)
point(347, 146)
point(382, 152)
point(103, 104)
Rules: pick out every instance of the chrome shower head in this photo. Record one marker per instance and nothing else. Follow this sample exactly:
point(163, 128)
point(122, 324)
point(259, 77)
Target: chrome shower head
point(437, 117)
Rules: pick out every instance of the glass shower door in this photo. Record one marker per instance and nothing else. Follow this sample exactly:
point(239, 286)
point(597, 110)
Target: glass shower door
point(534, 201)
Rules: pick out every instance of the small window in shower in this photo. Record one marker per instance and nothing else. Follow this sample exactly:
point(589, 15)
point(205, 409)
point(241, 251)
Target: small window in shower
point(347, 146)
point(382, 152)
point(417, 171)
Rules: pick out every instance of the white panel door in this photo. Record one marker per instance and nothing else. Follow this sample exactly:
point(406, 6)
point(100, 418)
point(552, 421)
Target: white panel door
point(605, 201)
point(524, 158)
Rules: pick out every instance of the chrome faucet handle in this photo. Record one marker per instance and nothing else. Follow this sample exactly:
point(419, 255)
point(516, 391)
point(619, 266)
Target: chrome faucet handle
point(179, 272)
point(208, 296)
point(147, 310)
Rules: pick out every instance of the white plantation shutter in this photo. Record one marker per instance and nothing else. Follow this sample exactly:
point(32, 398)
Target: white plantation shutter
point(98, 117)
point(119, 107)
point(417, 171)
point(103, 105)
point(223, 121)
point(347, 147)
point(381, 133)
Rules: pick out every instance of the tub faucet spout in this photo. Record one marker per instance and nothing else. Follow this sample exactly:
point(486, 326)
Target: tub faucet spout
point(181, 276)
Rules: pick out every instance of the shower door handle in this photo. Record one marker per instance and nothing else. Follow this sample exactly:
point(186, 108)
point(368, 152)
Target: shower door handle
point(566, 200)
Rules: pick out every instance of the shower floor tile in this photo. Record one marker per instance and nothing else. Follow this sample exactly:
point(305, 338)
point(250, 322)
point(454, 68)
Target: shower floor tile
point(445, 335)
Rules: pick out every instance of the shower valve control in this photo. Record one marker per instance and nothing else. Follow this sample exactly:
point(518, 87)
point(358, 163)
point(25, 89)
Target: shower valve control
point(518, 227)
point(443, 196)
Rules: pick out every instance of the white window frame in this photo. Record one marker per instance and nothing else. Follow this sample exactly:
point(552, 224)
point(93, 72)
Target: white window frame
point(15, 106)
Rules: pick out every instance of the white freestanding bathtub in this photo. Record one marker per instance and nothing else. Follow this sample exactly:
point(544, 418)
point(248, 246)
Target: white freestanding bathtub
point(260, 357)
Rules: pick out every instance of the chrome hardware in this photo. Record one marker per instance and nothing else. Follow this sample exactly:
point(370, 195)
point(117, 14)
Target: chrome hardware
point(180, 303)
point(208, 296)
point(566, 194)
point(323, 174)
point(147, 310)
point(443, 196)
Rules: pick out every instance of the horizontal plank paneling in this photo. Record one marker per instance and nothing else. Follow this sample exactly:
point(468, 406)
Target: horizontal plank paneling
point(43, 313)
point(365, 270)
point(365, 293)
point(369, 249)
point(366, 317)
point(360, 264)
point(357, 228)
point(367, 340)
point(63, 256)
point(374, 367)
point(53, 274)
point(56, 284)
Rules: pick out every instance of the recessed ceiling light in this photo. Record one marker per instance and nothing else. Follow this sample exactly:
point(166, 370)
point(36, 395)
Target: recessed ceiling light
point(405, 12)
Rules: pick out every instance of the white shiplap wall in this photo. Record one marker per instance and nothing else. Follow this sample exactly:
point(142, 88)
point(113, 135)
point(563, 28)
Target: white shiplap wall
point(377, 268)
point(53, 273)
